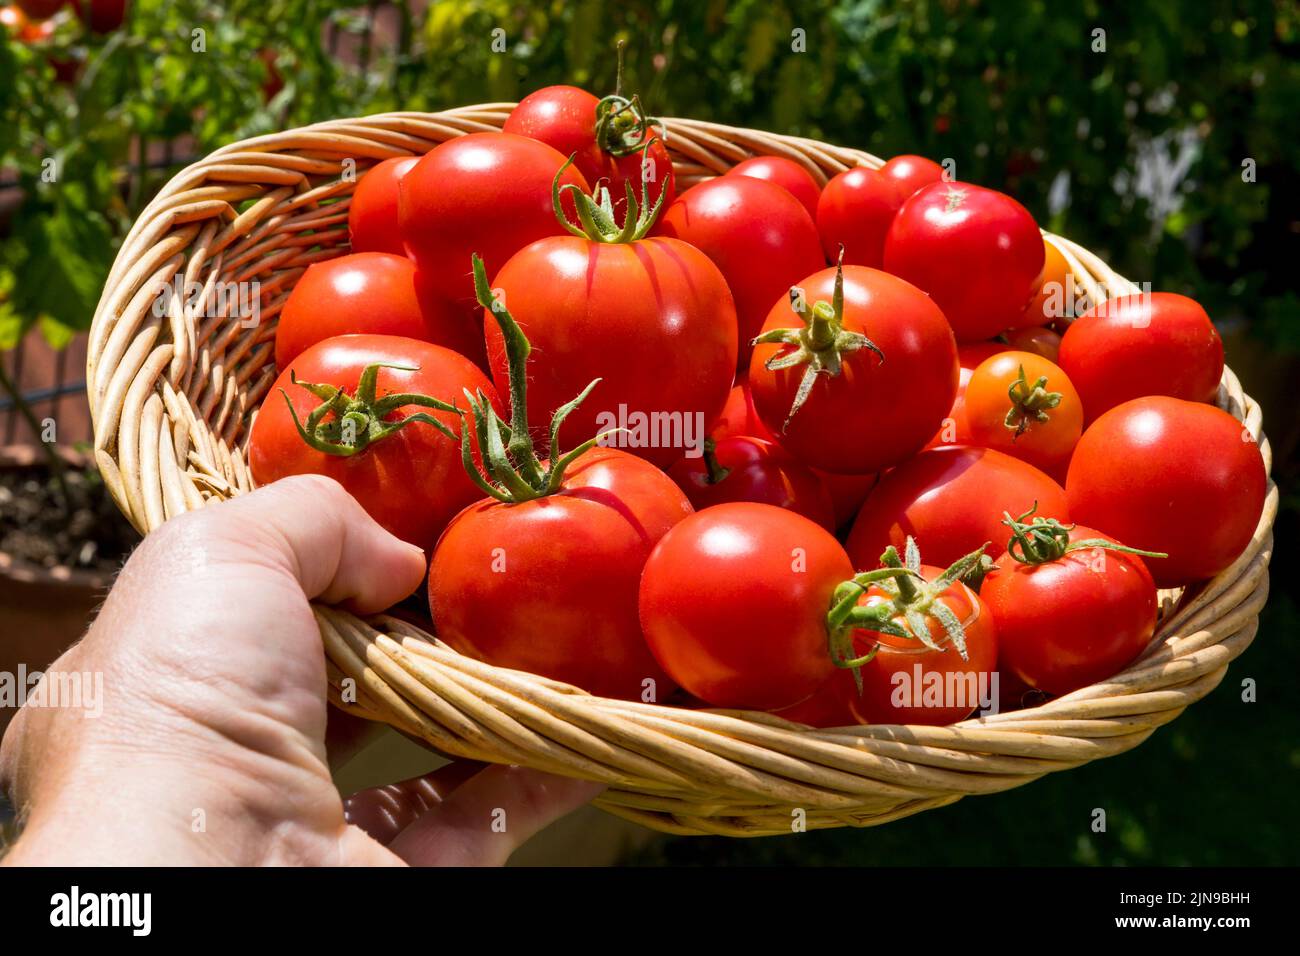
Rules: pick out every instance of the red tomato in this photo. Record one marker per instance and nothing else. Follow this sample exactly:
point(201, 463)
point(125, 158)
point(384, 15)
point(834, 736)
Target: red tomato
point(734, 602)
point(411, 481)
point(908, 683)
point(951, 500)
point(550, 585)
point(102, 16)
point(1037, 339)
point(856, 422)
point(1075, 617)
point(1164, 474)
point(659, 303)
point(750, 469)
point(905, 681)
point(1022, 404)
point(976, 251)
point(738, 416)
point(847, 493)
point(1125, 348)
point(1055, 296)
point(565, 118)
point(758, 234)
point(367, 292)
point(955, 429)
point(857, 206)
point(793, 177)
point(372, 218)
point(485, 193)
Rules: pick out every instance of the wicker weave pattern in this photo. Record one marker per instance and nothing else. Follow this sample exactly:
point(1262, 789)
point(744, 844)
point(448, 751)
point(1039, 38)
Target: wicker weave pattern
point(172, 397)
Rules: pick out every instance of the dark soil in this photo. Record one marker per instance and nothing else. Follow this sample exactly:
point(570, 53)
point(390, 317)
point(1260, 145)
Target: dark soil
point(39, 526)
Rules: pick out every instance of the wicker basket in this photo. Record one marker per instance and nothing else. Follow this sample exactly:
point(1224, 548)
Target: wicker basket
point(172, 397)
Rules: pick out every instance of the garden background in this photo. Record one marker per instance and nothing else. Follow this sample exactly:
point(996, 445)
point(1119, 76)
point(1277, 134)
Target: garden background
point(1163, 143)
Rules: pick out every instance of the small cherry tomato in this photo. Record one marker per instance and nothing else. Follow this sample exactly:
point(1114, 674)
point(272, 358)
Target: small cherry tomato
point(1022, 404)
point(1164, 474)
point(741, 468)
point(786, 173)
point(372, 217)
point(1155, 344)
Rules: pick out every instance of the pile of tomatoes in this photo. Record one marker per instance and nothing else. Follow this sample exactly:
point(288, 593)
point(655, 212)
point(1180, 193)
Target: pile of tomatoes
point(831, 452)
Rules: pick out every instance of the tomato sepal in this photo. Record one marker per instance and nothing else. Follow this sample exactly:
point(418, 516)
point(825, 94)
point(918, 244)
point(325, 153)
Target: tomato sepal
point(1042, 540)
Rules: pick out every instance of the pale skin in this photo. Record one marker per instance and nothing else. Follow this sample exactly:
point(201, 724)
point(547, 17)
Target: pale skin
point(214, 701)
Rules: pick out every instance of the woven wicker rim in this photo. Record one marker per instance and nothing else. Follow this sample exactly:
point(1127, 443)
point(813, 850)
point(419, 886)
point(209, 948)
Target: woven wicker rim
point(172, 397)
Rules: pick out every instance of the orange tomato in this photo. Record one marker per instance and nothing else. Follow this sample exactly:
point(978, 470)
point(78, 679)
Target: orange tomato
point(1023, 405)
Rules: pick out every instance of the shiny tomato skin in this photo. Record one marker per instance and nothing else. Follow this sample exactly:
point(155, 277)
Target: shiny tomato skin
point(955, 429)
point(367, 293)
point(549, 586)
point(738, 416)
point(891, 692)
point(873, 414)
point(485, 193)
point(847, 493)
point(857, 206)
point(758, 235)
point(977, 252)
point(373, 224)
point(564, 118)
point(412, 482)
point(1054, 292)
point(787, 174)
point(1074, 621)
point(659, 303)
point(1160, 344)
point(951, 500)
point(734, 602)
point(758, 471)
point(1164, 474)
point(1045, 445)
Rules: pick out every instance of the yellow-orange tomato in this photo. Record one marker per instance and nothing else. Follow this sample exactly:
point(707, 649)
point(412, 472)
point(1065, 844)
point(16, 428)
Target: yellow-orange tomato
point(1055, 290)
point(1023, 405)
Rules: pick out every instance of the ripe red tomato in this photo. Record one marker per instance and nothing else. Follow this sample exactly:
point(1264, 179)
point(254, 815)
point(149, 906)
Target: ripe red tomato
point(368, 292)
point(793, 177)
point(758, 234)
point(1055, 296)
point(485, 193)
point(857, 206)
point(738, 416)
point(951, 500)
point(1069, 618)
point(1164, 474)
point(102, 16)
point(734, 602)
point(1037, 339)
point(373, 224)
point(750, 469)
point(976, 251)
point(566, 119)
point(1022, 404)
point(412, 480)
point(955, 429)
point(906, 681)
point(550, 585)
point(1158, 344)
point(659, 303)
point(856, 421)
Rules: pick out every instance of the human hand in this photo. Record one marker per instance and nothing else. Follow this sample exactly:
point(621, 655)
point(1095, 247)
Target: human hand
point(210, 747)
